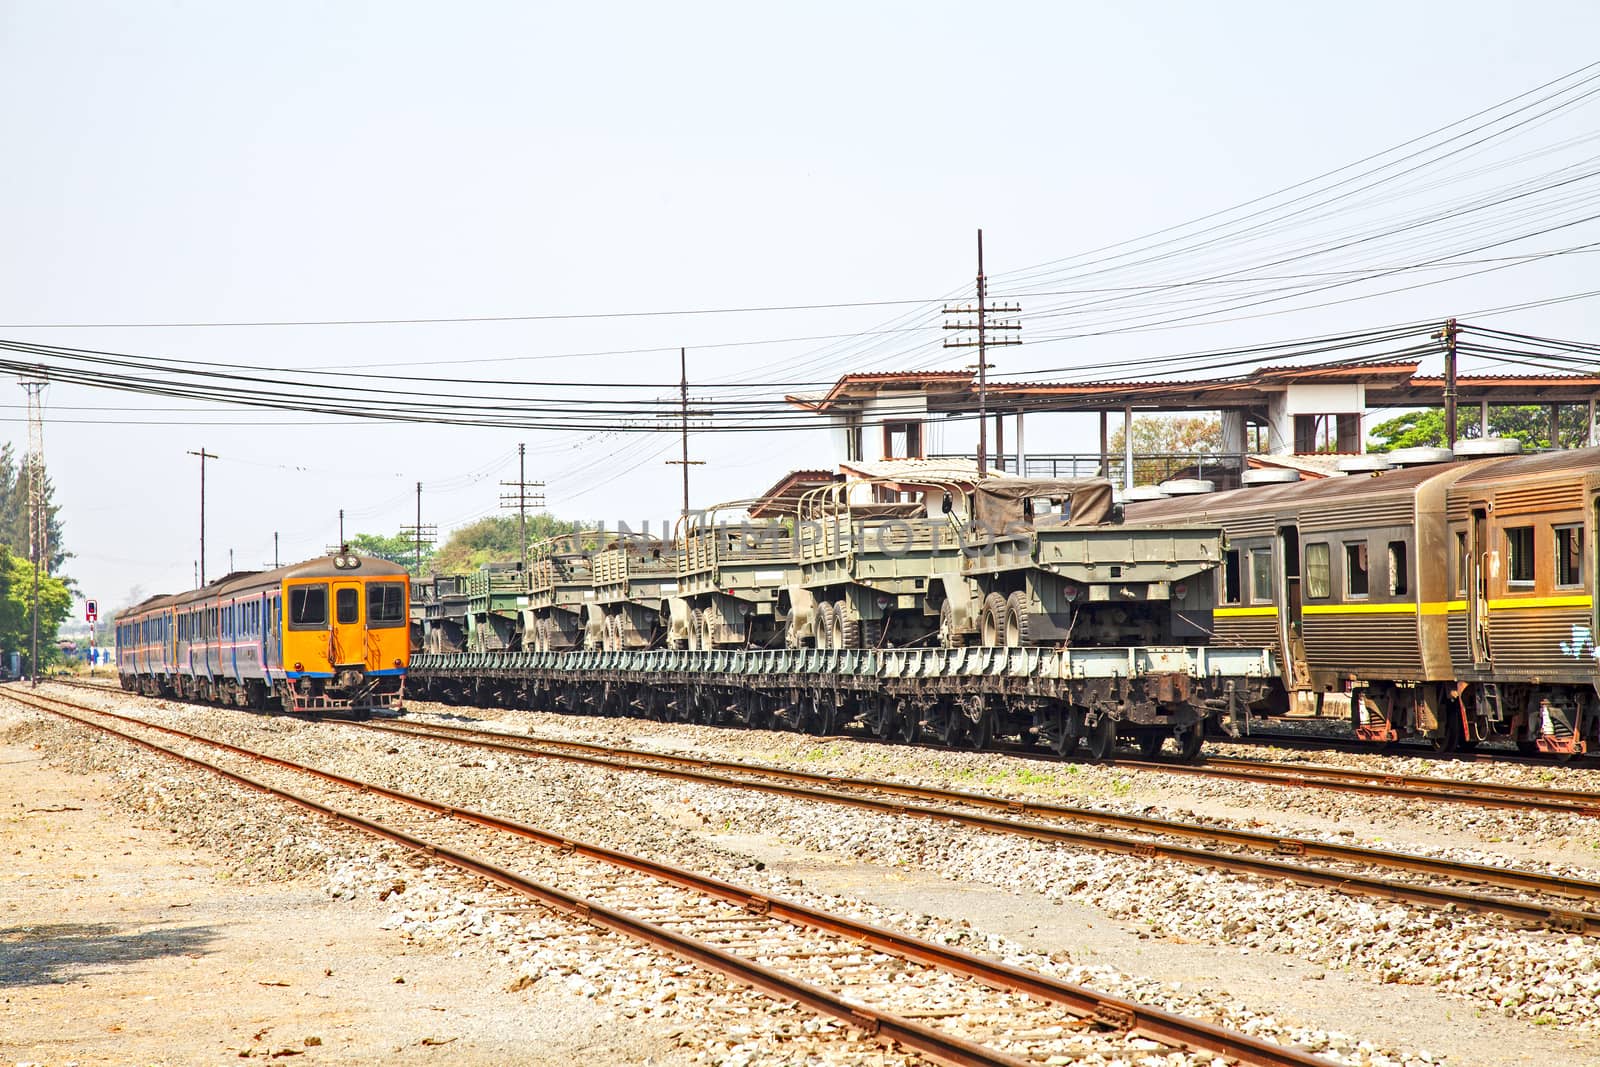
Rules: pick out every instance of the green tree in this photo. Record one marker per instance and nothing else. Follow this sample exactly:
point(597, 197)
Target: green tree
point(494, 540)
point(16, 607)
point(400, 548)
point(1528, 423)
point(14, 510)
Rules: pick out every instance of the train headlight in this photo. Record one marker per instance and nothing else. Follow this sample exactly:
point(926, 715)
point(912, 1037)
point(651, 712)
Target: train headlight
point(1180, 591)
point(338, 561)
point(398, 664)
point(299, 666)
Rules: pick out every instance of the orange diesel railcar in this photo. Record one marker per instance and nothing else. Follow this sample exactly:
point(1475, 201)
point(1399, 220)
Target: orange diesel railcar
point(329, 634)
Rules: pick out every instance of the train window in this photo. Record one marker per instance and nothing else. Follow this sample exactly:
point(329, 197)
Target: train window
point(1569, 556)
point(1230, 577)
point(1399, 576)
point(386, 604)
point(1461, 563)
point(1519, 555)
point(308, 607)
point(1318, 585)
point(347, 605)
point(1355, 568)
point(1261, 576)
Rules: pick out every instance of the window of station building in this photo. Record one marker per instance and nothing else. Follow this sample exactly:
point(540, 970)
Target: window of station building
point(1230, 577)
point(1261, 576)
point(902, 440)
point(1355, 568)
point(1399, 569)
point(347, 605)
point(1318, 581)
point(386, 604)
point(308, 607)
point(1569, 556)
point(1519, 555)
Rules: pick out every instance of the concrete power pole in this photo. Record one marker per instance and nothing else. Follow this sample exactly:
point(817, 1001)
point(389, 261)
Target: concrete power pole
point(1448, 336)
point(38, 519)
point(204, 455)
point(981, 325)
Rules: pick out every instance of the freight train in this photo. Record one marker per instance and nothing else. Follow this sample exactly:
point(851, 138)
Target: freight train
point(938, 605)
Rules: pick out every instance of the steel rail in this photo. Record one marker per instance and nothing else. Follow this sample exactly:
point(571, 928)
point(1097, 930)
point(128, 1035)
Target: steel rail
point(682, 769)
point(1551, 798)
point(1114, 1012)
point(1449, 791)
point(1408, 749)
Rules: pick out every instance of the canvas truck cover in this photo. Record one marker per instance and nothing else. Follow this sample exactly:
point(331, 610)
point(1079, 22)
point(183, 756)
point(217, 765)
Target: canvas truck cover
point(998, 503)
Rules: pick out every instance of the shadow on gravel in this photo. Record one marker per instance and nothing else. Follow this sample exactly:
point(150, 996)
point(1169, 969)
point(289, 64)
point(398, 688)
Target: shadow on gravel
point(60, 952)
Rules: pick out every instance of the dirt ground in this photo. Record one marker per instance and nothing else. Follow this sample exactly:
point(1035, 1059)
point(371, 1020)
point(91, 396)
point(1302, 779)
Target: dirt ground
point(120, 946)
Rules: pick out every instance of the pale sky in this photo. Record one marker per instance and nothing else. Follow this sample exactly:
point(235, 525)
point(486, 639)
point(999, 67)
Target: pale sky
point(190, 162)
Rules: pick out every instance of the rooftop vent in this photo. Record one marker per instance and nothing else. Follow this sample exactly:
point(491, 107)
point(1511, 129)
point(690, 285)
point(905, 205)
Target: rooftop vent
point(1420, 457)
point(1269, 476)
point(1144, 492)
point(1488, 446)
point(1366, 464)
point(1188, 486)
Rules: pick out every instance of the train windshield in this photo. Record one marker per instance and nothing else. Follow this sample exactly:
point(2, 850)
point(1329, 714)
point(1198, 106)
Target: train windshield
point(386, 604)
point(308, 607)
point(347, 605)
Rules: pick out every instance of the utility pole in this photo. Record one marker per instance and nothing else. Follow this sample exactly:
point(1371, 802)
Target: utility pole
point(230, 561)
point(522, 498)
point(683, 407)
point(204, 455)
point(419, 532)
point(274, 549)
point(1448, 335)
point(982, 326)
point(38, 518)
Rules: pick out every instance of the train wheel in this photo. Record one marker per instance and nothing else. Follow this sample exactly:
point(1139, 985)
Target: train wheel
point(822, 717)
point(1150, 744)
point(1102, 738)
point(1017, 620)
point(945, 721)
point(1191, 741)
point(907, 722)
point(979, 727)
point(880, 718)
point(992, 627)
point(1062, 730)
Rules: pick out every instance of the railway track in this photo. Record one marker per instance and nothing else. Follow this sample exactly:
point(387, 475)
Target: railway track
point(1160, 838)
point(1411, 749)
point(1427, 788)
point(950, 1005)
